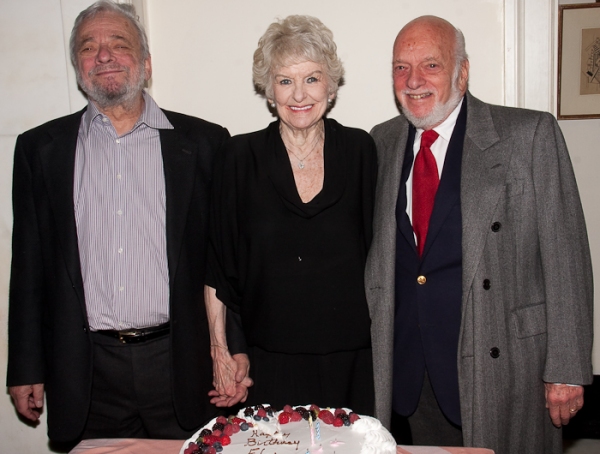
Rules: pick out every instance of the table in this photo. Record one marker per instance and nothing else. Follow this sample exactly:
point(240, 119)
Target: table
point(136, 446)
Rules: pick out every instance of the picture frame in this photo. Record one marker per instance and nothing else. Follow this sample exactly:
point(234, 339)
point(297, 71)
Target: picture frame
point(579, 61)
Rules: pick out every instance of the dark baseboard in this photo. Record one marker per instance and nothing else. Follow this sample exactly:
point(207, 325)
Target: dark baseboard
point(587, 422)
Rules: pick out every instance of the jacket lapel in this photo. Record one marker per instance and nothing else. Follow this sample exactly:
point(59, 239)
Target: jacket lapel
point(448, 194)
point(404, 224)
point(179, 160)
point(58, 163)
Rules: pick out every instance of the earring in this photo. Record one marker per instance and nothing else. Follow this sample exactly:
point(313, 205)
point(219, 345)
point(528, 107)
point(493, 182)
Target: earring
point(330, 100)
point(273, 105)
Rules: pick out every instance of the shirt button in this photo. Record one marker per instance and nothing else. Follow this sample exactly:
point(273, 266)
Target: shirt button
point(120, 250)
point(486, 284)
point(118, 141)
point(496, 226)
point(119, 212)
point(118, 176)
point(421, 280)
point(104, 120)
point(121, 288)
point(494, 352)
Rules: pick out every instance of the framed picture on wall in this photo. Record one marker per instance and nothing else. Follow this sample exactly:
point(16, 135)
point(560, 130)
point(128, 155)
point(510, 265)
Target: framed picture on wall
point(579, 61)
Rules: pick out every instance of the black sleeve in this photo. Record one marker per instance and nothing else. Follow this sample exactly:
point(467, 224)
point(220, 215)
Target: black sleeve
point(236, 341)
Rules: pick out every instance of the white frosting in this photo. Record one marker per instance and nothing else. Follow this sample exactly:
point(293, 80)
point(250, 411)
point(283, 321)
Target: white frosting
point(366, 436)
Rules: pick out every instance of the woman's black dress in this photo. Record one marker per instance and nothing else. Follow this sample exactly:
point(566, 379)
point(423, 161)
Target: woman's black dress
point(294, 270)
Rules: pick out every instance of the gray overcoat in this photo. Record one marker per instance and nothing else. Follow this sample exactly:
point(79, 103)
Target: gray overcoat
point(516, 172)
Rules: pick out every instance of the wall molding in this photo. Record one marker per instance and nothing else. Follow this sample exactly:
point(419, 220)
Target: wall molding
point(530, 44)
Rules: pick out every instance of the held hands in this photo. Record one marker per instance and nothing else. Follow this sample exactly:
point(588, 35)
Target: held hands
point(28, 400)
point(230, 377)
point(563, 402)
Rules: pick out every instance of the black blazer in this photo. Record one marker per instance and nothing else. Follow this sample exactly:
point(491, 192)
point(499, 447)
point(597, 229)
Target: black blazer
point(49, 340)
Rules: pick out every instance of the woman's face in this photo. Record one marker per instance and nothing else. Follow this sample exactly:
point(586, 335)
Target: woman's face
point(301, 91)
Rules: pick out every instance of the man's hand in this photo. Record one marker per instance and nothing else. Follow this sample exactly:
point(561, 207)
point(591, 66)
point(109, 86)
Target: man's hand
point(243, 382)
point(243, 368)
point(28, 400)
point(563, 402)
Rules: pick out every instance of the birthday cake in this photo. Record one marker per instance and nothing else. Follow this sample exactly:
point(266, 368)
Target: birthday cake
point(304, 429)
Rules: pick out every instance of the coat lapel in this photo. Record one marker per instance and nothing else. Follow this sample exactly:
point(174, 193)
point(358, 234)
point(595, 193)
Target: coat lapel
point(58, 163)
point(391, 146)
point(179, 160)
point(484, 166)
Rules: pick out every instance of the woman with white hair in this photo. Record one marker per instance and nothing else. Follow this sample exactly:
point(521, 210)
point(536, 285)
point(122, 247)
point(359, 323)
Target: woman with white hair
point(291, 227)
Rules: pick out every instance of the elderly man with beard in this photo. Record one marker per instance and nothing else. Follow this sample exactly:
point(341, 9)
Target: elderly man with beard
point(479, 278)
point(110, 214)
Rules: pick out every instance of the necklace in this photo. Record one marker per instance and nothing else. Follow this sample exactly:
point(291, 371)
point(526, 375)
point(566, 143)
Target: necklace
point(316, 142)
point(301, 161)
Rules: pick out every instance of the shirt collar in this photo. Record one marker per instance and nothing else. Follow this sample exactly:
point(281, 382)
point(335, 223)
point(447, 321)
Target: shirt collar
point(446, 128)
point(152, 116)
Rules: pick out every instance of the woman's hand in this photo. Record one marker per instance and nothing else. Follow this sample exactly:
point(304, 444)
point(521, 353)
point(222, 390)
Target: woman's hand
point(230, 373)
point(224, 370)
point(242, 383)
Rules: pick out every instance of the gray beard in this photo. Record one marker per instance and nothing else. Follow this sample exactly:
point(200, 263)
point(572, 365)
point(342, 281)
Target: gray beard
point(125, 95)
point(438, 114)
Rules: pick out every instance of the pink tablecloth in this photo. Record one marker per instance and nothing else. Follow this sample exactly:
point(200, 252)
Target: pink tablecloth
point(133, 446)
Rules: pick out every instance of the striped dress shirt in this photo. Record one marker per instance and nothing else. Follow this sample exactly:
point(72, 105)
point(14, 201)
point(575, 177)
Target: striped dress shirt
point(120, 212)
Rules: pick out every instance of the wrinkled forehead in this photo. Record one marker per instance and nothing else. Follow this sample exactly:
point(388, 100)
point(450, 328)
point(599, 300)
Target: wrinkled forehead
point(428, 40)
point(107, 25)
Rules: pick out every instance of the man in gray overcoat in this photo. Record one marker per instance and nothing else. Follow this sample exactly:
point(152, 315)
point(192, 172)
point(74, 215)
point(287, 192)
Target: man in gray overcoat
point(479, 278)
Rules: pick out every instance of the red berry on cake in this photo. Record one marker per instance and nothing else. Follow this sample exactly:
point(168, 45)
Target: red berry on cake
point(225, 440)
point(261, 412)
point(287, 409)
point(338, 422)
point(228, 430)
point(314, 407)
point(284, 418)
point(191, 448)
point(326, 416)
point(208, 440)
point(295, 417)
point(354, 417)
point(339, 411)
point(222, 420)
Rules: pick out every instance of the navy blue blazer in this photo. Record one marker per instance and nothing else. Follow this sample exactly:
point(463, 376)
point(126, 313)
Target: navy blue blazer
point(428, 315)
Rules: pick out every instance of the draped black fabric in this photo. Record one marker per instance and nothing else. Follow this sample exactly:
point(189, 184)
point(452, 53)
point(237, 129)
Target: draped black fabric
point(294, 270)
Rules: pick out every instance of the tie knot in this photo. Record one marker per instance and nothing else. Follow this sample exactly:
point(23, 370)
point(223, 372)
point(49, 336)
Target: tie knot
point(428, 137)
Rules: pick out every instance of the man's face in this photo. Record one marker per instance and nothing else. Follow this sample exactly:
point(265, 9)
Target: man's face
point(423, 72)
point(110, 69)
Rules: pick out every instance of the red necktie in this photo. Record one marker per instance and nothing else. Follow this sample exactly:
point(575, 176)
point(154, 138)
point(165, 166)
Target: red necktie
point(425, 183)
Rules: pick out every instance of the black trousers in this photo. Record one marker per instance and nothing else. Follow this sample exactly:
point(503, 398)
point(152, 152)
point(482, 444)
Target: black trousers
point(131, 391)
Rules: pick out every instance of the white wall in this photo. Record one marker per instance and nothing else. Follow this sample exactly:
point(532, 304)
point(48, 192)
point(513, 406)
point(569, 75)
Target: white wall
point(202, 56)
point(36, 85)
